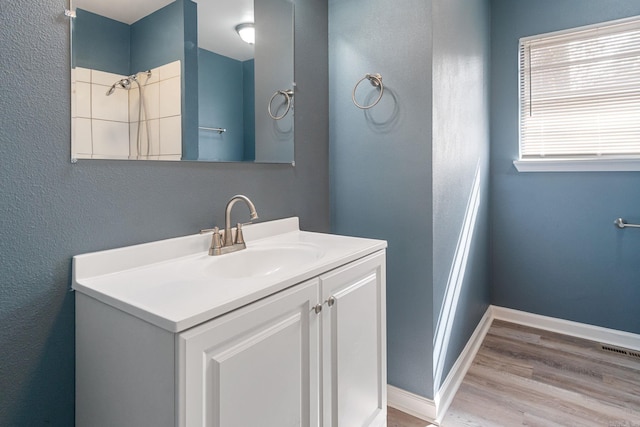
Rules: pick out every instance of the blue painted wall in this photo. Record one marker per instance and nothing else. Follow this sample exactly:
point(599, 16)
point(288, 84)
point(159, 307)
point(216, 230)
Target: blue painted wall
point(403, 170)
point(381, 164)
point(460, 176)
point(170, 34)
point(274, 68)
point(51, 210)
point(221, 104)
point(190, 82)
point(555, 249)
point(249, 109)
point(226, 97)
point(101, 43)
point(158, 38)
point(108, 45)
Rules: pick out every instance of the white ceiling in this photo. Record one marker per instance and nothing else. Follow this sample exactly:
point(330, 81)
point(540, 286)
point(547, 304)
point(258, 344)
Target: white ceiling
point(217, 20)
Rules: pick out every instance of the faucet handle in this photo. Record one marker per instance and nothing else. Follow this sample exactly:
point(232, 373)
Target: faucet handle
point(216, 243)
point(239, 235)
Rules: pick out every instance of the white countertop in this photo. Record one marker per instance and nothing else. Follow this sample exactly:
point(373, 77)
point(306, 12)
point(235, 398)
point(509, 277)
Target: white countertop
point(167, 283)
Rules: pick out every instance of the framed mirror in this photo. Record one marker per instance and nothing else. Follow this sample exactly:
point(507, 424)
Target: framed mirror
point(174, 80)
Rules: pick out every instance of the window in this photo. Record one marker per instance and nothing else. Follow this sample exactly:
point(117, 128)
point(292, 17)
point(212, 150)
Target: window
point(580, 98)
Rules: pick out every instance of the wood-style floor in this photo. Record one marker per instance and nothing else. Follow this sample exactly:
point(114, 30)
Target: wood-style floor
point(397, 418)
point(523, 376)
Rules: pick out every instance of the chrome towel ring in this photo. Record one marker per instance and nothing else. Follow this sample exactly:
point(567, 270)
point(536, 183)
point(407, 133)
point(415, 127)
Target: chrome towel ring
point(288, 96)
point(376, 81)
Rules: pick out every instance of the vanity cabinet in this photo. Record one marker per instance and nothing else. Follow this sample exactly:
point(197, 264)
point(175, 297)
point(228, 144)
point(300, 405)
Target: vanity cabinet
point(257, 366)
point(354, 363)
point(312, 354)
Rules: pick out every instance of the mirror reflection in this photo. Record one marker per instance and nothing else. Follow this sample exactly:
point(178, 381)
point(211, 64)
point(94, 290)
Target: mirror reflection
point(174, 80)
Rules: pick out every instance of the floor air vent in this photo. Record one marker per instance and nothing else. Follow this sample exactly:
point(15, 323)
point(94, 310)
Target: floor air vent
point(619, 350)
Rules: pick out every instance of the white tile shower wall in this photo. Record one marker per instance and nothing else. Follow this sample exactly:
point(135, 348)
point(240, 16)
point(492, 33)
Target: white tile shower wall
point(98, 120)
point(151, 102)
point(148, 146)
point(83, 99)
point(81, 128)
point(113, 107)
point(169, 70)
point(171, 135)
point(170, 97)
point(110, 138)
point(82, 75)
point(107, 126)
point(163, 119)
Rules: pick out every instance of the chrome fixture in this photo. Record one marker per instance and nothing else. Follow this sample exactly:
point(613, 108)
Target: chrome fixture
point(122, 83)
point(376, 81)
point(219, 130)
point(622, 224)
point(247, 32)
point(229, 242)
point(288, 97)
point(126, 84)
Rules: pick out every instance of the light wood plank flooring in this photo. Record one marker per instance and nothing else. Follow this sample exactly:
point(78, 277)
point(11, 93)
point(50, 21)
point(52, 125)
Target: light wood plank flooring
point(397, 418)
point(523, 376)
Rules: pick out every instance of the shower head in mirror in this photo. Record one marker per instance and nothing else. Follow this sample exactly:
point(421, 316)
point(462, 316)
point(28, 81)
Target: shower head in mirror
point(122, 83)
point(111, 89)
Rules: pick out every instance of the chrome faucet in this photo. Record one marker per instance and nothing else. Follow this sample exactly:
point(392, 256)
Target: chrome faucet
point(229, 242)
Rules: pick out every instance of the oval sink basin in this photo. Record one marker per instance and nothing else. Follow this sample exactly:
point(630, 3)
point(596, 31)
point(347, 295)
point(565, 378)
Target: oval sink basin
point(262, 261)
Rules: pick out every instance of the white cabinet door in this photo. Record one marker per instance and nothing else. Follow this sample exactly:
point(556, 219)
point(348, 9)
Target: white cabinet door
point(256, 366)
point(354, 344)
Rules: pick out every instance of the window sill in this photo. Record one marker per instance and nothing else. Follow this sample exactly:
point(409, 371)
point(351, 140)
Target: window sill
point(577, 165)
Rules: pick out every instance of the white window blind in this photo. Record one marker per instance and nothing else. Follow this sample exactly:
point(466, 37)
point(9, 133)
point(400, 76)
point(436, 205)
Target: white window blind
point(580, 93)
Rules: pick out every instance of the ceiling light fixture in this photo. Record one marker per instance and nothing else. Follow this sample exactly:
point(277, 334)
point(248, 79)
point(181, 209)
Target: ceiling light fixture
point(247, 32)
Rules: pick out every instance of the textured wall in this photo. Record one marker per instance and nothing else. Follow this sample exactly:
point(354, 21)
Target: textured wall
point(461, 58)
point(249, 109)
point(273, 66)
point(51, 210)
point(220, 104)
point(404, 170)
point(101, 43)
point(190, 81)
point(555, 250)
point(104, 44)
point(159, 38)
point(381, 163)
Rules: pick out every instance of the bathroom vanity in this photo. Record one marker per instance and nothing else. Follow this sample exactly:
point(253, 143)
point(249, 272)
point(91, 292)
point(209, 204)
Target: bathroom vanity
point(287, 332)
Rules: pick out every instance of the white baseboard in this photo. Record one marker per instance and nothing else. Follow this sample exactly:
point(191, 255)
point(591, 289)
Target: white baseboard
point(567, 327)
point(411, 404)
point(434, 410)
point(452, 382)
